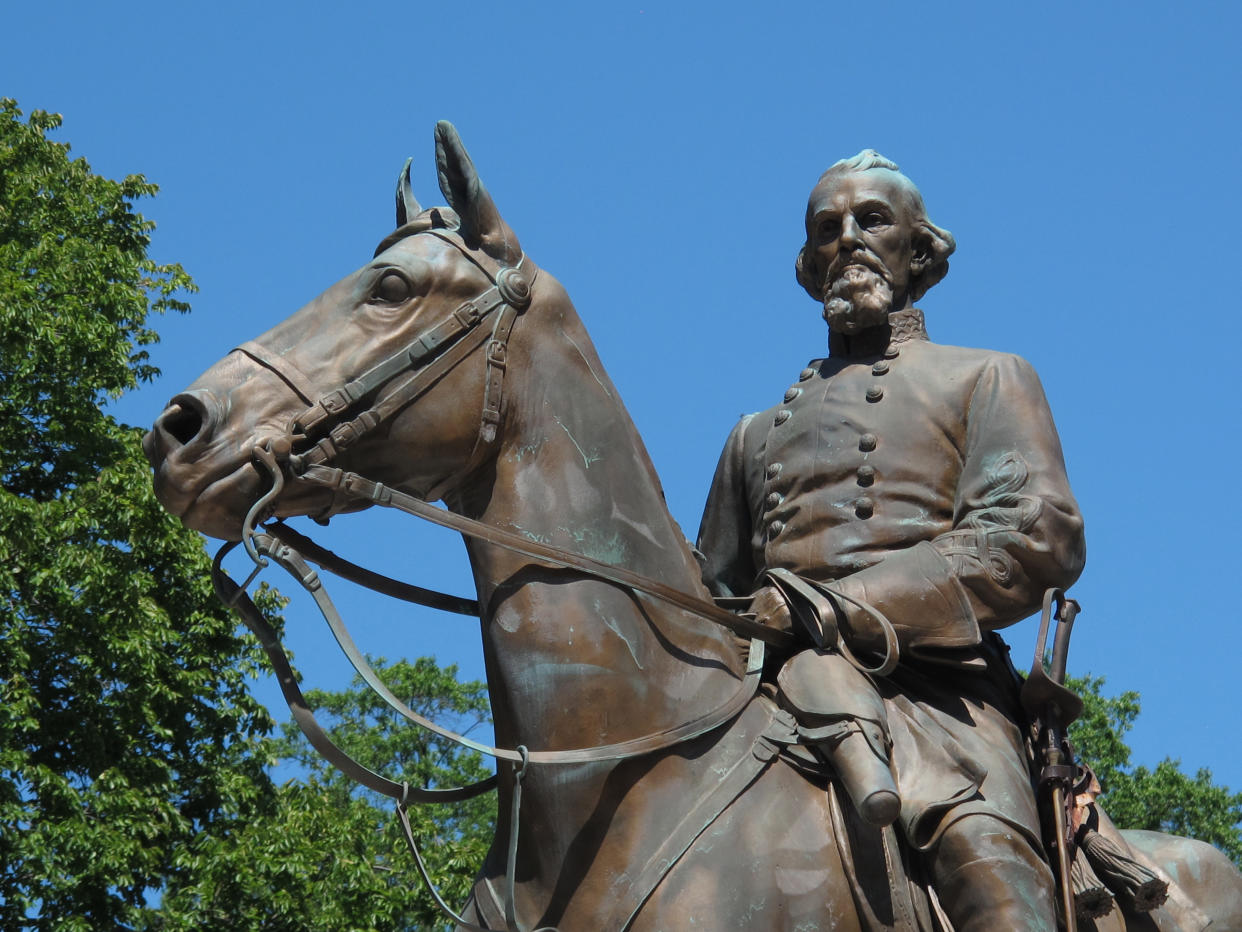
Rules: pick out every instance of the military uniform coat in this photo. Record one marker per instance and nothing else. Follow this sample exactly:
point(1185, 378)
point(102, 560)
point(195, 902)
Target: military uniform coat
point(928, 481)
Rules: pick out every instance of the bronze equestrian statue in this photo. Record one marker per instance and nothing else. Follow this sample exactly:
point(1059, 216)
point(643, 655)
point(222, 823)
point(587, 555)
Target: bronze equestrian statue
point(651, 773)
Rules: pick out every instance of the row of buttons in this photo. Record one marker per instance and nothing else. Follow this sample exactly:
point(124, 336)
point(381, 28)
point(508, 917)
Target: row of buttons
point(774, 499)
point(864, 507)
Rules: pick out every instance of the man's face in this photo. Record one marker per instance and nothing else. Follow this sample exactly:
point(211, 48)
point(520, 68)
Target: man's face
point(860, 228)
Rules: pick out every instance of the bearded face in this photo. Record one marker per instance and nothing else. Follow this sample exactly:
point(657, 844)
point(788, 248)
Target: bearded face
point(860, 231)
point(858, 297)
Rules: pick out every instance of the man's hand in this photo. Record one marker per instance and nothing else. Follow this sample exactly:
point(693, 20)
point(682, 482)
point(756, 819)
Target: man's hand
point(770, 608)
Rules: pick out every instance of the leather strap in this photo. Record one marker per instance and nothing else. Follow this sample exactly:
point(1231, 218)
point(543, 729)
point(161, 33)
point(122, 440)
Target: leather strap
point(290, 374)
point(334, 479)
point(730, 784)
point(822, 624)
point(292, 562)
point(236, 598)
point(463, 319)
point(376, 582)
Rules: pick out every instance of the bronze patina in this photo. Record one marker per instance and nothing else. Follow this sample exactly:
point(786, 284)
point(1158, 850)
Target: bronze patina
point(645, 783)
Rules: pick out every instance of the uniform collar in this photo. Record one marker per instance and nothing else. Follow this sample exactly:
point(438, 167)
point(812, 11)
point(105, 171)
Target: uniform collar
point(902, 326)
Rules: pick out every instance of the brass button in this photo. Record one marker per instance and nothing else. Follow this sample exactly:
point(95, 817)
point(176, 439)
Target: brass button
point(791, 394)
point(774, 470)
point(782, 416)
point(774, 499)
point(892, 353)
point(805, 374)
point(880, 368)
point(864, 508)
point(866, 474)
point(875, 393)
point(775, 528)
point(867, 442)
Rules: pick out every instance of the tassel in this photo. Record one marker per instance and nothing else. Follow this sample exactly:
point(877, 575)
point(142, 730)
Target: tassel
point(1136, 888)
point(1091, 898)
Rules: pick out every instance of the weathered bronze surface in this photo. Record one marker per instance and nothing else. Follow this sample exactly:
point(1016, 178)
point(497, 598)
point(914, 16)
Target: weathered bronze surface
point(905, 499)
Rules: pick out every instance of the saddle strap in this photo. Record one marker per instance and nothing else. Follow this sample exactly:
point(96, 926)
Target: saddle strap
point(754, 759)
point(745, 771)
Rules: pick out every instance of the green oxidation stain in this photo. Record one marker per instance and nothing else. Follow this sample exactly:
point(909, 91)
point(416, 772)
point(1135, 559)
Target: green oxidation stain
point(527, 449)
point(756, 909)
point(533, 535)
point(606, 545)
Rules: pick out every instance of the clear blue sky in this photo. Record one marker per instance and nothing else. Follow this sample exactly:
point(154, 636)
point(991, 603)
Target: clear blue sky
point(656, 158)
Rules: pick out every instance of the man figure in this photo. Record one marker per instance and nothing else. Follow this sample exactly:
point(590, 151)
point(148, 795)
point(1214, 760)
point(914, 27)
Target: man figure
point(927, 482)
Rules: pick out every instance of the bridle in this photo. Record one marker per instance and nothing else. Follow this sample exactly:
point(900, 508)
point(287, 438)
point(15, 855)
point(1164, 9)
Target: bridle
point(332, 424)
point(327, 425)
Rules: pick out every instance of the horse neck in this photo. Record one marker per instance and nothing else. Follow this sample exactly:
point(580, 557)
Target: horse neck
point(573, 661)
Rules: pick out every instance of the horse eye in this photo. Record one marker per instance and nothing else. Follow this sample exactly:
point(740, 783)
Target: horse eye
point(392, 288)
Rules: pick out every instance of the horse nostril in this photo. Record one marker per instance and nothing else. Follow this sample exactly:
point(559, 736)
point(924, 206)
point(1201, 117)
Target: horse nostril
point(182, 423)
point(187, 417)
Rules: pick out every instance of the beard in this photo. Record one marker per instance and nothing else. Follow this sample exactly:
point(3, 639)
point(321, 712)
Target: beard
point(858, 298)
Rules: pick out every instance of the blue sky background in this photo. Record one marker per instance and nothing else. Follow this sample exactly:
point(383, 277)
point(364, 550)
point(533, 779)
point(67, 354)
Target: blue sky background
point(656, 158)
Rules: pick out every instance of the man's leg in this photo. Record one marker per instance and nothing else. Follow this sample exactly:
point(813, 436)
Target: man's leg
point(988, 877)
point(842, 718)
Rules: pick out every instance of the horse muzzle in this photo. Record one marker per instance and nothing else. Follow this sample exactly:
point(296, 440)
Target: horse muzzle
point(193, 467)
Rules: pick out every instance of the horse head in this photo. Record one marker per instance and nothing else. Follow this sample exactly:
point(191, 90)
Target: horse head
point(426, 319)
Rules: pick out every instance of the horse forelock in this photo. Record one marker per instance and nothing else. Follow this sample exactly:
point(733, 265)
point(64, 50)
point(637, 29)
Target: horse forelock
point(433, 218)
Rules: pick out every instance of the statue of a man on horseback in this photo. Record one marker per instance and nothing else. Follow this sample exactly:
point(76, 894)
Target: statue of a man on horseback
point(919, 491)
point(903, 502)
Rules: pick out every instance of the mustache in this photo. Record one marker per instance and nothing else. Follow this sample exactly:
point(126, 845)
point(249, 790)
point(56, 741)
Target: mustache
point(860, 257)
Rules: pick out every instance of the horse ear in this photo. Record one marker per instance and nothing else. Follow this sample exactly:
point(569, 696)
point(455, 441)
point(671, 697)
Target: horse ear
point(481, 223)
point(407, 204)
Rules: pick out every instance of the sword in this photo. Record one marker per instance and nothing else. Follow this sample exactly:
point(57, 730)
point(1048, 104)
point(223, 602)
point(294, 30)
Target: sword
point(1049, 702)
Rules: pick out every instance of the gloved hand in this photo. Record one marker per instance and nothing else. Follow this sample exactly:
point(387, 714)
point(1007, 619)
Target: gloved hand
point(769, 607)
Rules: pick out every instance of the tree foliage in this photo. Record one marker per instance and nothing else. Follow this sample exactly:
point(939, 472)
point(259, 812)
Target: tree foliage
point(126, 725)
point(1164, 799)
point(329, 856)
point(77, 288)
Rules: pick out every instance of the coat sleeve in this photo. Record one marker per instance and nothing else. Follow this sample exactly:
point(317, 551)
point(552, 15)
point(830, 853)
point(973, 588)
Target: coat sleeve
point(726, 529)
point(1016, 530)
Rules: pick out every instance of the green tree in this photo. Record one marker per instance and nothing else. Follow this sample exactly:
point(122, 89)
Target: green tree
point(330, 856)
point(126, 725)
point(1165, 799)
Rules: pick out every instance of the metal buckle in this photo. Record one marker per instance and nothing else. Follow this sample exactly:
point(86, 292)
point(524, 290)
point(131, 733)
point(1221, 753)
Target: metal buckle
point(467, 314)
point(334, 403)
